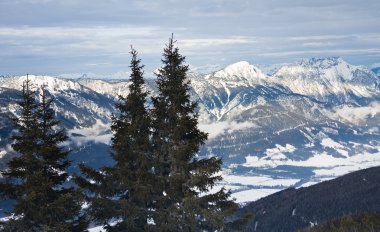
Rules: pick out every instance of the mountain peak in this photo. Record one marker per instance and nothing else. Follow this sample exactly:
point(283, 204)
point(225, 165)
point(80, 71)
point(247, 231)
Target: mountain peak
point(322, 77)
point(318, 68)
point(240, 70)
point(238, 66)
point(324, 63)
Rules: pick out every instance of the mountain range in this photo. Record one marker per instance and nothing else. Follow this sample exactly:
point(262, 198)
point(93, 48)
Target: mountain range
point(304, 123)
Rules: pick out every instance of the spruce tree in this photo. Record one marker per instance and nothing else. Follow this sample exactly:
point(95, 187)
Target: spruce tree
point(183, 182)
point(122, 193)
point(35, 178)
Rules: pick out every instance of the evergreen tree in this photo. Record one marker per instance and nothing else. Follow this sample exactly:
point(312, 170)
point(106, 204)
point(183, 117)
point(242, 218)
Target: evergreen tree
point(35, 178)
point(183, 202)
point(122, 193)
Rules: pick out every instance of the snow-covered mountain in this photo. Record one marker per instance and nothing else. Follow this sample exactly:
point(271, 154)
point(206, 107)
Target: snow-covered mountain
point(330, 79)
point(267, 125)
point(77, 104)
point(376, 70)
point(306, 122)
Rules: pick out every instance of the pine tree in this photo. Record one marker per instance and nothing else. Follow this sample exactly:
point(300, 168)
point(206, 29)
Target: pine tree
point(36, 177)
point(183, 181)
point(122, 193)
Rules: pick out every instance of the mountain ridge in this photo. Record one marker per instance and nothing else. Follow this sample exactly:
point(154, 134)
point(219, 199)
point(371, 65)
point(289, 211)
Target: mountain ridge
point(259, 127)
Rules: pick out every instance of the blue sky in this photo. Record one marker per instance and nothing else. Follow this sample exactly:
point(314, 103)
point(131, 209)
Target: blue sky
point(56, 37)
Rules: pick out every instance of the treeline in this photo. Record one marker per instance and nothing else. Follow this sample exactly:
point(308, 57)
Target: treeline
point(156, 184)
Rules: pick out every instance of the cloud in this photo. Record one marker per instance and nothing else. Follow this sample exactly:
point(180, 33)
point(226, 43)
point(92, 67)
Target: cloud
point(78, 32)
point(329, 52)
point(98, 133)
point(318, 44)
point(218, 128)
point(319, 37)
point(207, 42)
point(76, 40)
point(52, 37)
point(357, 115)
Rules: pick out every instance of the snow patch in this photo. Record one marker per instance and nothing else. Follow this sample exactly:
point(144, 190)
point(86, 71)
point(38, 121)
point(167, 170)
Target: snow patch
point(97, 229)
point(253, 194)
point(2, 154)
point(277, 153)
point(309, 183)
point(259, 181)
point(328, 142)
point(322, 160)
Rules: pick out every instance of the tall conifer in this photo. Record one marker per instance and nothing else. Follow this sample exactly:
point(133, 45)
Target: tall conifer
point(35, 178)
point(183, 181)
point(122, 193)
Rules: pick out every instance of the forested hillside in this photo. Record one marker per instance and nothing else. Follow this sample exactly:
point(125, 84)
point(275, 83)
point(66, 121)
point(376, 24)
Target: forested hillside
point(294, 209)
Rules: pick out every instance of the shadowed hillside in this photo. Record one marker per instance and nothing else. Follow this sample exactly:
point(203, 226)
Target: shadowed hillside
point(294, 209)
point(357, 223)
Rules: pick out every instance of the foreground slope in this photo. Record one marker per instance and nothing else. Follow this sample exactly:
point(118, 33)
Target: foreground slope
point(351, 223)
point(294, 209)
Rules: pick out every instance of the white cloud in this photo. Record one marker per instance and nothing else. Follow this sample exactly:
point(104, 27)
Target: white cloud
point(76, 32)
point(219, 128)
point(98, 133)
point(207, 42)
point(325, 52)
point(81, 41)
point(319, 37)
point(318, 44)
point(357, 115)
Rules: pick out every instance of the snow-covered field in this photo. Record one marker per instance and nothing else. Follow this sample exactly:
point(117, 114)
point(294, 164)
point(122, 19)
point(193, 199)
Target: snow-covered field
point(325, 167)
point(96, 229)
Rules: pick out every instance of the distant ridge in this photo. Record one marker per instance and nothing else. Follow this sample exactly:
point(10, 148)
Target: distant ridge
point(294, 209)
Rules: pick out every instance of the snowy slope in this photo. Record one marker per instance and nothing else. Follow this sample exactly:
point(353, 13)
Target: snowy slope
point(76, 104)
point(330, 79)
point(108, 88)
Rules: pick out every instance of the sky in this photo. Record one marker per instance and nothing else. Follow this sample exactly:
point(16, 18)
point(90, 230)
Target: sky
point(74, 37)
